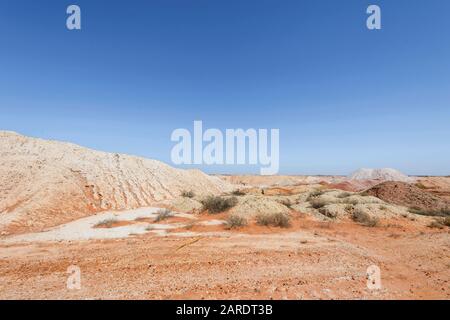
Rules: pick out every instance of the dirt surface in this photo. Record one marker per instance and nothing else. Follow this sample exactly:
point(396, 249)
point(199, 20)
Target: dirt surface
point(311, 260)
point(408, 195)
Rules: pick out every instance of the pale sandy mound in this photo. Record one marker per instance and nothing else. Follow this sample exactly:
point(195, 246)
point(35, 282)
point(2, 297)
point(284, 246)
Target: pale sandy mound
point(407, 195)
point(182, 204)
point(386, 174)
point(250, 206)
point(337, 205)
point(46, 183)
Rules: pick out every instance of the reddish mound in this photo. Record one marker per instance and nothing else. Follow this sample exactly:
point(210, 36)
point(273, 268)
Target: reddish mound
point(439, 186)
point(353, 185)
point(407, 195)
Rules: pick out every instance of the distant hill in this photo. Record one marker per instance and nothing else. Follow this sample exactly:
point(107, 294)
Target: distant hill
point(386, 174)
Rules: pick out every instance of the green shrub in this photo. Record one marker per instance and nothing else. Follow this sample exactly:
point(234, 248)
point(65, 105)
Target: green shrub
point(214, 204)
point(278, 219)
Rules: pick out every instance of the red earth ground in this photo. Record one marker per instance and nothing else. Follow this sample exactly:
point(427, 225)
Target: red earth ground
point(310, 260)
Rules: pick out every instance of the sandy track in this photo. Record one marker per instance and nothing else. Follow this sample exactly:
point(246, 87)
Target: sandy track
point(84, 229)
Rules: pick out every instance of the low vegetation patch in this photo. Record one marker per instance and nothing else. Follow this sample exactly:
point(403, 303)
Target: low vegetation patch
point(328, 213)
point(383, 208)
point(421, 186)
point(315, 194)
point(277, 219)
point(351, 201)
point(214, 204)
point(436, 225)
point(190, 225)
point(344, 195)
point(446, 221)
point(236, 221)
point(163, 214)
point(188, 194)
point(318, 203)
point(107, 223)
point(363, 218)
point(440, 223)
point(432, 213)
point(349, 208)
point(238, 193)
point(287, 203)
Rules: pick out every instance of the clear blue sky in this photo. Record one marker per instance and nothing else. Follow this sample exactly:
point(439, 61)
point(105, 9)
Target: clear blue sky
point(342, 96)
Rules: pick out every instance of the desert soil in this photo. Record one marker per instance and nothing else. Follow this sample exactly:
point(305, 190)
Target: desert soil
point(310, 260)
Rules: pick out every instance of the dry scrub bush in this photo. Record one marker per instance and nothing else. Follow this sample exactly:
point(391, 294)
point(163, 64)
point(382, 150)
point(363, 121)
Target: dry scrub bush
point(287, 203)
point(421, 186)
point(445, 212)
point(328, 213)
point(351, 201)
point(214, 204)
point(107, 223)
point(163, 214)
point(440, 224)
point(238, 193)
point(315, 194)
point(363, 218)
point(344, 195)
point(277, 219)
point(436, 225)
point(446, 221)
point(236, 221)
point(318, 203)
point(188, 194)
point(349, 208)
